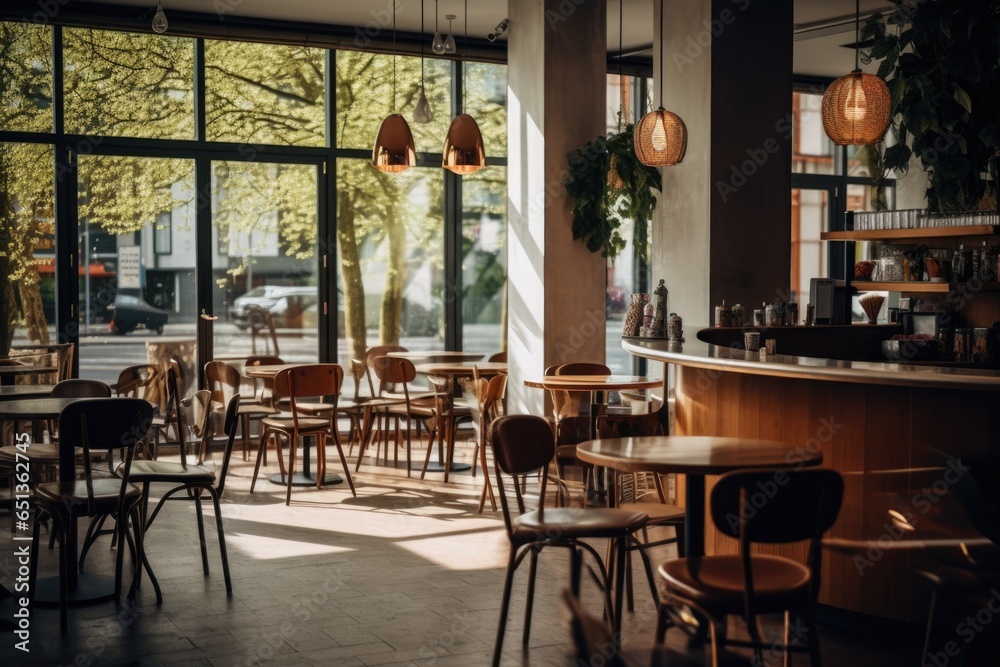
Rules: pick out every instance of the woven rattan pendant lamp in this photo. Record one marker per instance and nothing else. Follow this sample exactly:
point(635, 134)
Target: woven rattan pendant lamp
point(660, 136)
point(464, 152)
point(856, 107)
point(394, 150)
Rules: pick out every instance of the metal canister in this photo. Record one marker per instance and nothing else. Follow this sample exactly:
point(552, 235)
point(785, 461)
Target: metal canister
point(980, 345)
point(944, 342)
point(792, 314)
point(773, 316)
point(737, 315)
point(962, 342)
point(810, 314)
point(758, 317)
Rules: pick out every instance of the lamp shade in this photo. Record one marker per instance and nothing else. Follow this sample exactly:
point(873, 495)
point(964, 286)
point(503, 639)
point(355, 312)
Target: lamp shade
point(464, 152)
point(394, 150)
point(856, 109)
point(660, 139)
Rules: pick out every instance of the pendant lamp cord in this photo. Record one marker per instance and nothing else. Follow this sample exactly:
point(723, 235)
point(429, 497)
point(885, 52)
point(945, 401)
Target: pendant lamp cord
point(465, 54)
point(661, 53)
point(621, 90)
point(857, 31)
point(394, 58)
point(421, 45)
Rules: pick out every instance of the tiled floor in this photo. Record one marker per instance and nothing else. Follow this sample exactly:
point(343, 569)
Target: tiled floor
point(406, 573)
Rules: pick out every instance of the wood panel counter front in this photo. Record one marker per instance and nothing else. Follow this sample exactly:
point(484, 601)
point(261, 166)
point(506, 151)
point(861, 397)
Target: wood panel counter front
point(888, 428)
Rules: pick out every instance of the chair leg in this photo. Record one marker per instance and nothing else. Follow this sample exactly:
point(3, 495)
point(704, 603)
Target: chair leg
point(504, 605)
point(619, 582)
point(812, 634)
point(430, 445)
point(293, 445)
point(343, 462)
point(222, 538)
point(532, 570)
point(261, 446)
point(201, 534)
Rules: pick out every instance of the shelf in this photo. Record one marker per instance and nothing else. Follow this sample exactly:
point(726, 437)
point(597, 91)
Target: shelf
point(900, 234)
point(918, 286)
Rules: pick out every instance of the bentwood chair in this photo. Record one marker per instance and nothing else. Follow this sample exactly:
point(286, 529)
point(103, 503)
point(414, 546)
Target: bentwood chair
point(522, 444)
point(394, 375)
point(747, 584)
point(300, 382)
point(224, 382)
point(573, 424)
point(487, 399)
point(106, 424)
point(194, 481)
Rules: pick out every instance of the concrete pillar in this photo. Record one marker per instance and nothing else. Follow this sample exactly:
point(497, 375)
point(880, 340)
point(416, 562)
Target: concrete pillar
point(722, 227)
point(556, 77)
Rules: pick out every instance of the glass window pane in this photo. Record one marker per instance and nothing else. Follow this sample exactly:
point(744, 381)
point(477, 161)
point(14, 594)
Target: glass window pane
point(364, 98)
point(812, 150)
point(619, 97)
point(391, 242)
point(127, 84)
point(27, 245)
point(486, 101)
point(130, 293)
point(265, 93)
point(484, 260)
point(26, 73)
point(265, 271)
point(810, 216)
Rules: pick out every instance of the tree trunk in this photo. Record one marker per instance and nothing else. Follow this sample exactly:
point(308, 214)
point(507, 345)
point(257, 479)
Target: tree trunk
point(350, 271)
point(390, 324)
point(8, 307)
point(34, 313)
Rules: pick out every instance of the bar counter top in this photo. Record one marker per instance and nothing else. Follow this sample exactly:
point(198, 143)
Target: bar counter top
point(699, 354)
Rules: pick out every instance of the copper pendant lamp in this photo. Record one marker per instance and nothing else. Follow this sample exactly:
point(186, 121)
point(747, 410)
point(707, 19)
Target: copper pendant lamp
point(394, 150)
point(660, 138)
point(856, 107)
point(464, 152)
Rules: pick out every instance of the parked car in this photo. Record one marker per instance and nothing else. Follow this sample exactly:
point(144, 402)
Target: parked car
point(285, 305)
point(130, 313)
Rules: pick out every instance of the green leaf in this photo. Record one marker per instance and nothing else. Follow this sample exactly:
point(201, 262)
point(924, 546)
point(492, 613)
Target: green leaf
point(963, 98)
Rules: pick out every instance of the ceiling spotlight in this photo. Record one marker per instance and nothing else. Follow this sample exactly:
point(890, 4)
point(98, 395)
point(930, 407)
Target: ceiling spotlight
point(159, 19)
point(499, 30)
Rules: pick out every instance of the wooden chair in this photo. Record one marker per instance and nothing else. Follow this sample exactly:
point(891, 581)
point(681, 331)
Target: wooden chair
point(107, 424)
point(394, 375)
point(224, 382)
point(523, 444)
point(487, 397)
point(294, 383)
point(499, 356)
point(573, 425)
point(804, 505)
point(194, 481)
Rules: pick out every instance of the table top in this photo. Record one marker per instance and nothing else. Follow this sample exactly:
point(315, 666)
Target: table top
point(463, 368)
point(439, 356)
point(699, 455)
point(16, 391)
point(267, 371)
point(594, 382)
point(35, 408)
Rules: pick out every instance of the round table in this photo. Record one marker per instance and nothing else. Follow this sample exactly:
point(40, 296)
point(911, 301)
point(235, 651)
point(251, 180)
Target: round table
point(451, 370)
point(31, 409)
point(694, 456)
point(18, 391)
point(443, 356)
point(594, 383)
point(304, 478)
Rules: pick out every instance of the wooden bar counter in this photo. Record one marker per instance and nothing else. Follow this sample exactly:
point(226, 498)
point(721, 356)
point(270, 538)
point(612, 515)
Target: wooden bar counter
point(887, 427)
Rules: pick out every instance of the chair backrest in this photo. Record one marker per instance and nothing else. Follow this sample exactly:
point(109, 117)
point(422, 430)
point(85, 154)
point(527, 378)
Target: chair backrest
point(628, 426)
point(358, 371)
point(777, 506)
point(222, 380)
point(102, 424)
point(230, 426)
point(392, 370)
point(499, 356)
point(595, 645)
point(77, 388)
point(136, 380)
point(322, 380)
point(263, 383)
point(522, 444)
point(582, 368)
point(374, 353)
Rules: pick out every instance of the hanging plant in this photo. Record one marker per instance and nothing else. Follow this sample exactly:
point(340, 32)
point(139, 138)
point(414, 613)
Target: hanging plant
point(941, 61)
point(611, 187)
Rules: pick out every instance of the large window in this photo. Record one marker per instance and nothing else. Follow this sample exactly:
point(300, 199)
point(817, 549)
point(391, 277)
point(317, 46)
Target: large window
point(212, 171)
point(265, 94)
point(126, 84)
